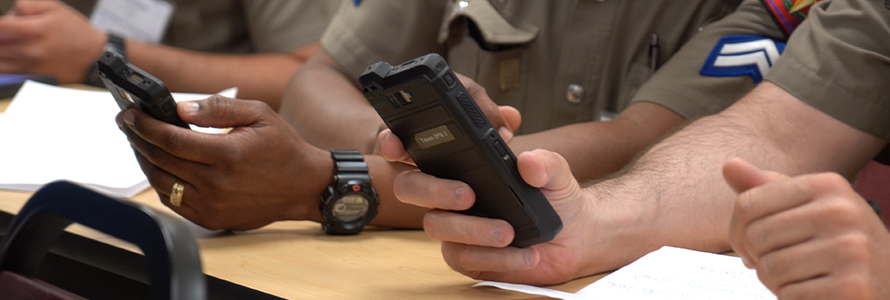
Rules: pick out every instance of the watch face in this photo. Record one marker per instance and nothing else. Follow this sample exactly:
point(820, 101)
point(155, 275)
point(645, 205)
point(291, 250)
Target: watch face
point(350, 207)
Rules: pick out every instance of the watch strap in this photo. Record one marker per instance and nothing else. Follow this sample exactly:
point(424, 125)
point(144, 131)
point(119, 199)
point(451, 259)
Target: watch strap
point(349, 164)
point(350, 169)
point(117, 44)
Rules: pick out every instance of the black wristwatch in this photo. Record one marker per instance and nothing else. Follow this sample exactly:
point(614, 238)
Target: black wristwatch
point(115, 43)
point(350, 202)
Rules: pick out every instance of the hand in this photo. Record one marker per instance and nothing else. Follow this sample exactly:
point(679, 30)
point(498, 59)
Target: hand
point(809, 237)
point(258, 173)
point(48, 37)
point(478, 247)
point(505, 118)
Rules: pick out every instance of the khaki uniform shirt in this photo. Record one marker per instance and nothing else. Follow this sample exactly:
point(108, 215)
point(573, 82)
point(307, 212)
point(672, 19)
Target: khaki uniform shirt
point(838, 61)
point(558, 62)
point(241, 26)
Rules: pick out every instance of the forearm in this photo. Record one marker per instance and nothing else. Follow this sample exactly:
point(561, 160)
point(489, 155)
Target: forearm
point(677, 187)
point(594, 149)
point(325, 106)
point(257, 76)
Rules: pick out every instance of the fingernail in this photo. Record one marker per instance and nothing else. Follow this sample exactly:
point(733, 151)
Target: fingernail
point(498, 233)
point(129, 118)
point(528, 258)
point(189, 107)
point(506, 134)
point(459, 197)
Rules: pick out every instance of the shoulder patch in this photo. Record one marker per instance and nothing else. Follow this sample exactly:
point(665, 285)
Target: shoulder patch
point(739, 55)
point(788, 14)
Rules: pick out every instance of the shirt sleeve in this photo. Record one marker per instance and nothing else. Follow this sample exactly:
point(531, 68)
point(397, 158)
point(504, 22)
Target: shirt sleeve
point(393, 31)
point(281, 26)
point(838, 61)
point(680, 87)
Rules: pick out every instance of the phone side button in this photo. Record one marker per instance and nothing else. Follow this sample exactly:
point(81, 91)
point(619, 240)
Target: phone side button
point(169, 107)
point(500, 148)
point(449, 80)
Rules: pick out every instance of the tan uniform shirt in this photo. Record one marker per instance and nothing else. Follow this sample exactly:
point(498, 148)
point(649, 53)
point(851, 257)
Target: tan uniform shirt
point(241, 26)
point(838, 61)
point(558, 62)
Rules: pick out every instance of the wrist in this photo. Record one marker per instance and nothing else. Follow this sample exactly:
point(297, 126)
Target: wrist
point(623, 222)
point(314, 172)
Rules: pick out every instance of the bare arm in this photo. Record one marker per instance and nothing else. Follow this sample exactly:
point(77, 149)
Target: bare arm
point(257, 76)
point(325, 106)
point(594, 149)
point(673, 195)
point(50, 37)
point(677, 185)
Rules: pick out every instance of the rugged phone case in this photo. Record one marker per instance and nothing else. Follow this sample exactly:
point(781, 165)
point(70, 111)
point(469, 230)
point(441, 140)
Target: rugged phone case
point(448, 136)
point(131, 87)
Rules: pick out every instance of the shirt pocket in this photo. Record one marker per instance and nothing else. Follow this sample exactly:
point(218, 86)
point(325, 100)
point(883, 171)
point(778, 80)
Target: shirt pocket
point(485, 46)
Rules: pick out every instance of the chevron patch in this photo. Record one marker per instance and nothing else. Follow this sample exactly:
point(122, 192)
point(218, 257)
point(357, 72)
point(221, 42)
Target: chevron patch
point(740, 55)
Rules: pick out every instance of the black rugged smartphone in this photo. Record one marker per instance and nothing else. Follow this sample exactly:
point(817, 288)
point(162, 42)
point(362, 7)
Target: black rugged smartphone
point(448, 136)
point(133, 87)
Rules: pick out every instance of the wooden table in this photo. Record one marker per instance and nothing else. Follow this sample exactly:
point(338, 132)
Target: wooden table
point(295, 260)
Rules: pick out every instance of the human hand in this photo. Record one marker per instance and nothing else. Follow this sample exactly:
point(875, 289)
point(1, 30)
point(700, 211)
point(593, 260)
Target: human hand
point(256, 174)
point(48, 37)
point(809, 237)
point(479, 247)
point(505, 118)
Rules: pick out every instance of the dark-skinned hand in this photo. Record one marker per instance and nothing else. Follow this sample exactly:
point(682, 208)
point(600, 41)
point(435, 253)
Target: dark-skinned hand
point(244, 179)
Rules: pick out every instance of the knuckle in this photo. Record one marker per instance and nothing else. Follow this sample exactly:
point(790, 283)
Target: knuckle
point(855, 286)
point(844, 212)
point(171, 143)
point(744, 204)
point(832, 181)
point(854, 247)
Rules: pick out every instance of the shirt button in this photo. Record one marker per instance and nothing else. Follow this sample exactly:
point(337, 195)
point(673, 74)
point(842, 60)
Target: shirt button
point(574, 93)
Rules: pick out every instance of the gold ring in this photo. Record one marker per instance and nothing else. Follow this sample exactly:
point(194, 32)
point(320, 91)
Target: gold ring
point(176, 195)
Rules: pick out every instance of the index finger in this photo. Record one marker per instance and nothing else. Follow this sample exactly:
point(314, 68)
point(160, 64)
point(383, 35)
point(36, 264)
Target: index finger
point(488, 107)
point(180, 142)
point(14, 28)
point(761, 202)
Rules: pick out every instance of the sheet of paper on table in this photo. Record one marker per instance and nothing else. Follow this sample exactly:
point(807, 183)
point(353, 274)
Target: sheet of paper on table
point(52, 133)
point(668, 273)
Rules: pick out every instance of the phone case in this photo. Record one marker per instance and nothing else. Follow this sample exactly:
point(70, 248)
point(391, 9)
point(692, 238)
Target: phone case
point(448, 136)
point(133, 87)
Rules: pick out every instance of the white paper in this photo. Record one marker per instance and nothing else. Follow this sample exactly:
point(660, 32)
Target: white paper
point(50, 133)
point(142, 20)
point(668, 273)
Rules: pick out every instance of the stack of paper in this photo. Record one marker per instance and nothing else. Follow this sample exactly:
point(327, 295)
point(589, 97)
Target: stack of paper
point(50, 133)
point(668, 273)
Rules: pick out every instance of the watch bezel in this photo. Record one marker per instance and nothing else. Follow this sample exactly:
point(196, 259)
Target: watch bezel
point(333, 225)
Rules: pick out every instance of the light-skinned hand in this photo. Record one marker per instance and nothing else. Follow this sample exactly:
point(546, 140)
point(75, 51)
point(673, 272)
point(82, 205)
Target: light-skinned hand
point(808, 237)
point(48, 37)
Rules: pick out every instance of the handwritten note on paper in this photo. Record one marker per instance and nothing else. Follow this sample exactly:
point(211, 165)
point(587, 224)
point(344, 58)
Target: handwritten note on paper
point(669, 273)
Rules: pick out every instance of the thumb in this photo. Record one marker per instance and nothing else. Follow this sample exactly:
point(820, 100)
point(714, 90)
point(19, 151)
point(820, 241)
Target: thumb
point(548, 171)
point(27, 8)
point(222, 112)
point(742, 176)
